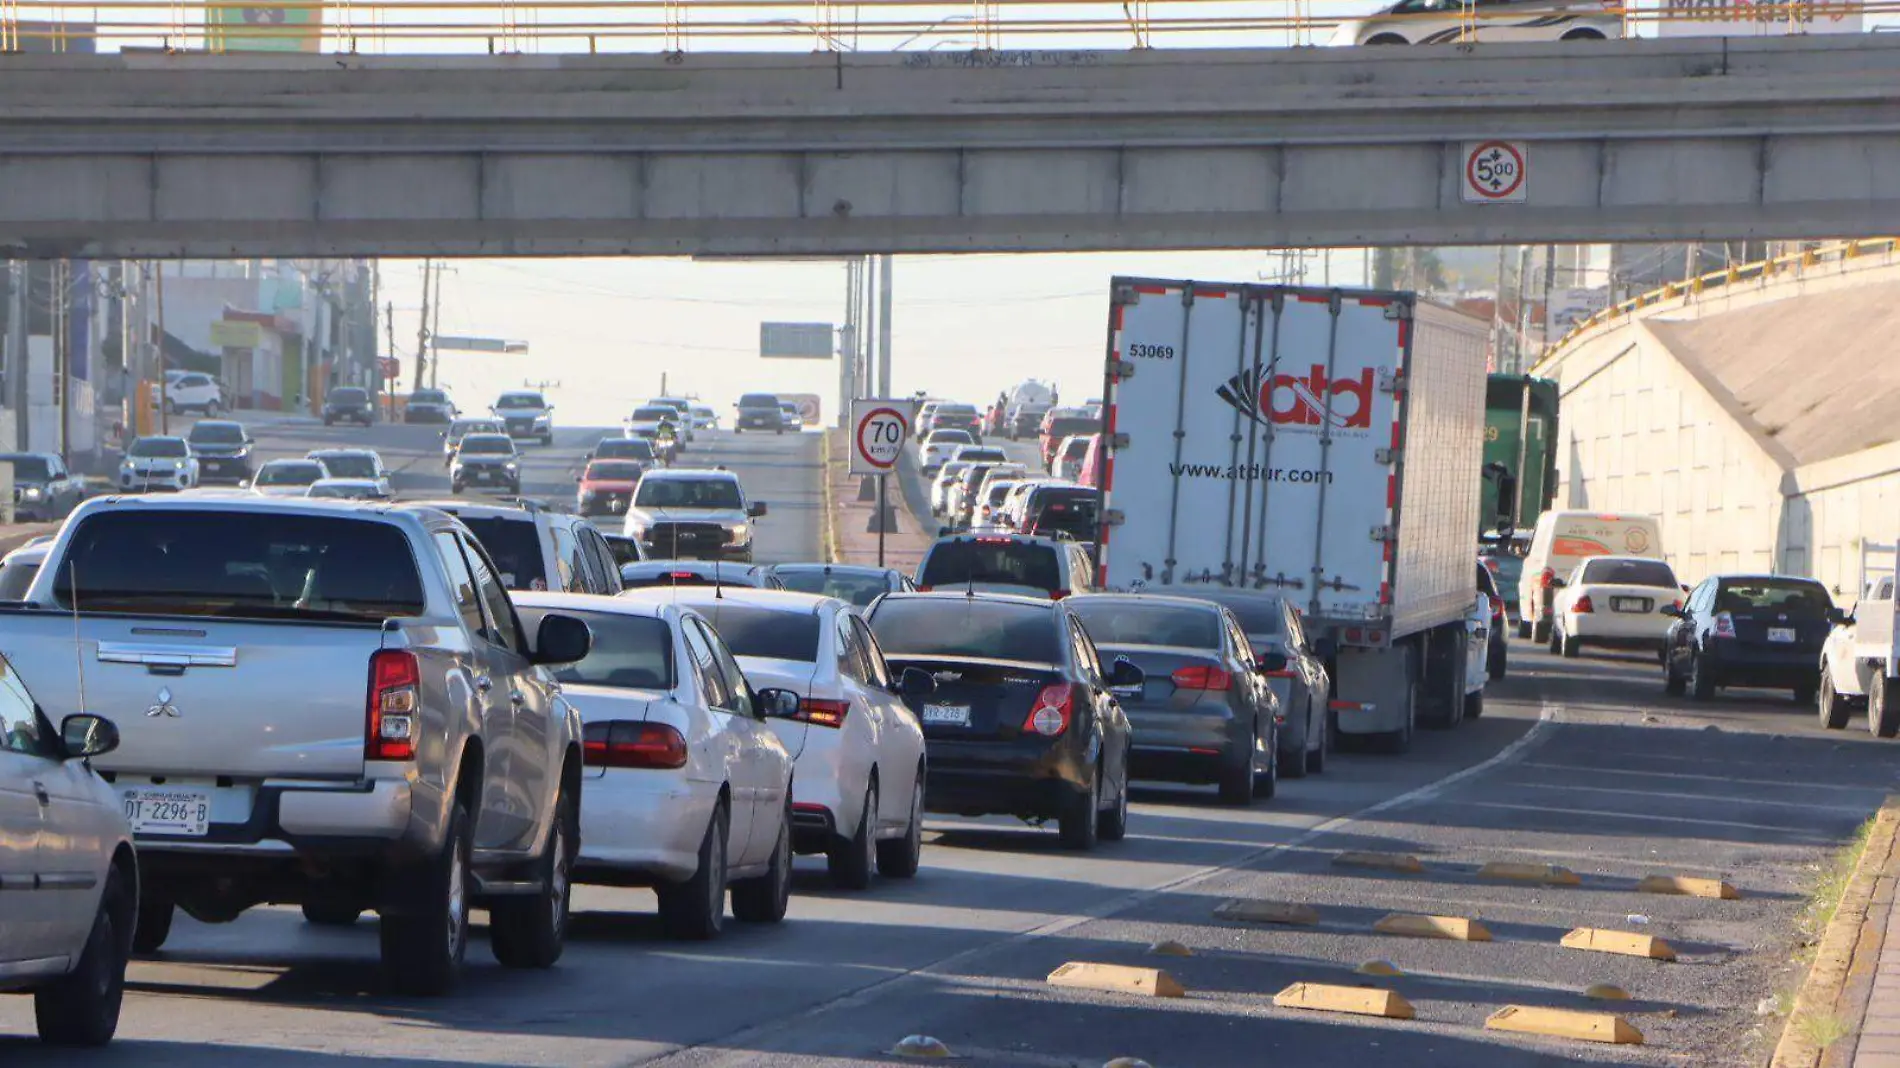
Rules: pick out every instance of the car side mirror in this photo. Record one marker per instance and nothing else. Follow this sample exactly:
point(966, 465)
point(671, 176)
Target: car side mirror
point(1685, 587)
point(1267, 662)
point(1126, 676)
point(775, 703)
point(944, 532)
point(1837, 616)
point(756, 509)
point(244, 483)
point(916, 682)
point(84, 735)
point(1671, 610)
point(561, 640)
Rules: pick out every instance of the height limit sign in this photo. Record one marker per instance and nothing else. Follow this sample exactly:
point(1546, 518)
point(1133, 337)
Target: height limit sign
point(1495, 172)
point(879, 429)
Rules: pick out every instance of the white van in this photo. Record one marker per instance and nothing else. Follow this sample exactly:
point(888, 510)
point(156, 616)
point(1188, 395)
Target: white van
point(1564, 539)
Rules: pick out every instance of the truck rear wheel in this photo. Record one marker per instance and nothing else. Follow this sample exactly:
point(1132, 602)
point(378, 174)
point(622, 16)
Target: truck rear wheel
point(530, 931)
point(1829, 705)
point(425, 941)
point(1883, 709)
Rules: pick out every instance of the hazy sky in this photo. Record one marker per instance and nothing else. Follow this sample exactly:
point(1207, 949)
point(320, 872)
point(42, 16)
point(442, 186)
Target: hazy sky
point(607, 329)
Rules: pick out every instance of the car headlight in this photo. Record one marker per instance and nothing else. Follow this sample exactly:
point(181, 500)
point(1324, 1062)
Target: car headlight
point(738, 533)
point(178, 465)
point(31, 493)
point(511, 465)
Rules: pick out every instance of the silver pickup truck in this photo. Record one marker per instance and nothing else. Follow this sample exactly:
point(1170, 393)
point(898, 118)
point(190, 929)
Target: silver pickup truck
point(320, 703)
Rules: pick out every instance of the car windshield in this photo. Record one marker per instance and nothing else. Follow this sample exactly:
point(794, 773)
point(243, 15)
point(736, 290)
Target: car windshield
point(161, 447)
point(770, 634)
point(854, 587)
point(240, 564)
point(514, 545)
point(348, 395)
point(625, 448)
point(521, 400)
point(290, 473)
point(353, 491)
point(628, 653)
point(653, 415)
point(28, 468)
point(966, 626)
point(1121, 621)
point(759, 400)
point(428, 396)
point(1002, 561)
point(1629, 573)
point(349, 464)
point(1793, 597)
point(462, 428)
point(688, 493)
point(614, 470)
point(487, 444)
point(216, 434)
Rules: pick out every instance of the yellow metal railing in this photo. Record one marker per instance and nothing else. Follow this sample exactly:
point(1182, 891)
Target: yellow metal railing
point(826, 25)
point(1735, 274)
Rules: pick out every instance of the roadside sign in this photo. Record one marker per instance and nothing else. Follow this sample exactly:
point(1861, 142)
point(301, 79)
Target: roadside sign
point(391, 366)
point(879, 429)
point(1495, 172)
point(810, 407)
point(797, 341)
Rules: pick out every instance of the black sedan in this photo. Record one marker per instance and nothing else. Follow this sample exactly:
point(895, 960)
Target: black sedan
point(1748, 630)
point(1204, 713)
point(348, 404)
point(1294, 671)
point(1024, 720)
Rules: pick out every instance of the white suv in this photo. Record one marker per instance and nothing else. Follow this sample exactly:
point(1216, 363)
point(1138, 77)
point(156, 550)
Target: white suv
point(194, 392)
point(69, 875)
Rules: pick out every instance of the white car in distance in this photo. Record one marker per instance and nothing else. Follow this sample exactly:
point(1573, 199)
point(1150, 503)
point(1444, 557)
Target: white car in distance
point(687, 788)
point(940, 446)
point(1614, 602)
point(1450, 21)
point(158, 463)
point(858, 784)
point(288, 478)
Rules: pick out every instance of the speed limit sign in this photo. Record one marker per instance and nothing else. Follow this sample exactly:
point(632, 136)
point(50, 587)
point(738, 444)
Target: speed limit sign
point(1496, 172)
point(879, 429)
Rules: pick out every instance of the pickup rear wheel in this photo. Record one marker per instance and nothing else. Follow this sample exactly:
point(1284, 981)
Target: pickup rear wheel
point(82, 1008)
point(695, 909)
point(1883, 707)
point(331, 913)
point(530, 931)
point(425, 939)
point(1829, 706)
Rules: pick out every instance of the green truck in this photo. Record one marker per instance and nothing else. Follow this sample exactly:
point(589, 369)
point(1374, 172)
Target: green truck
point(1522, 465)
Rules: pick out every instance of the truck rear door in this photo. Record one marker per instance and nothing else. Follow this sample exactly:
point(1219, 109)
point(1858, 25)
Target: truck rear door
point(1255, 441)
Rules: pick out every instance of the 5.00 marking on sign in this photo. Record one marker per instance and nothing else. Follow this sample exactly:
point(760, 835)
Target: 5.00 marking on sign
point(1151, 352)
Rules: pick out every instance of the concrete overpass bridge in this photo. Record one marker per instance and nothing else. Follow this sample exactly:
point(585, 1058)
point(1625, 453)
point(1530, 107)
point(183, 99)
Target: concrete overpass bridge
point(252, 154)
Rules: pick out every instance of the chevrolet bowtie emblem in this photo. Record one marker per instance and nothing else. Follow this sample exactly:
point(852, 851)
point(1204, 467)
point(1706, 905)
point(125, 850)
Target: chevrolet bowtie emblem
point(164, 707)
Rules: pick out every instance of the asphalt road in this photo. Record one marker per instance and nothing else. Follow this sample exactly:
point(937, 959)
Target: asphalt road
point(1579, 763)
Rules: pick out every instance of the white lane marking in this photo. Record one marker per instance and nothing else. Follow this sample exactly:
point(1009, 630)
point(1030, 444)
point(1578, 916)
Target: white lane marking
point(1726, 799)
point(749, 1037)
point(1647, 817)
point(1727, 780)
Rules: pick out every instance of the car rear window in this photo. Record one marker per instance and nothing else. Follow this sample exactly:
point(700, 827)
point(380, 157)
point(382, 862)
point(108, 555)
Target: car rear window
point(348, 395)
point(763, 632)
point(1063, 427)
point(950, 437)
point(291, 473)
point(1629, 573)
point(216, 434)
point(759, 400)
point(349, 465)
point(1259, 614)
point(852, 587)
point(1071, 512)
point(28, 468)
point(515, 546)
point(1003, 561)
point(921, 627)
point(1118, 621)
point(239, 565)
point(1794, 597)
point(628, 653)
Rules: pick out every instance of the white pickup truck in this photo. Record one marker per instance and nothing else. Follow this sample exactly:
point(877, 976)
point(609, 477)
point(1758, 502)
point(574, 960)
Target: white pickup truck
point(1860, 664)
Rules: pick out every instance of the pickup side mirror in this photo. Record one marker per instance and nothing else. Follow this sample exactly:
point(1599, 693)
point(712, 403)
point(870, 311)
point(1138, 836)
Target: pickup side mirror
point(561, 640)
point(775, 703)
point(1558, 584)
point(916, 682)
point(1837, 616)
point(756, 509)
point(83, 735)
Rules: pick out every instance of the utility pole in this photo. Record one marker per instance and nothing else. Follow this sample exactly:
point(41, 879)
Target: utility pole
point(422, 329)
point(62, 346)
point(1550, 281)
point(848, 345)
point(435, 332)
point(164, 408)
point(389, 326)
point(18, 279)
point(885, 271)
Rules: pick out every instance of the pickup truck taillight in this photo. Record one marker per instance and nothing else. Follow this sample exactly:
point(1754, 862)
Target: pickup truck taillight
point(394, 677)
point(1050, 715)
point(623, 743)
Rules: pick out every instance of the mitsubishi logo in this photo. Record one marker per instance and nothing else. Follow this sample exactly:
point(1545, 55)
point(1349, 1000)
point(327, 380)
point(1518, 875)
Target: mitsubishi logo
point(164, 707)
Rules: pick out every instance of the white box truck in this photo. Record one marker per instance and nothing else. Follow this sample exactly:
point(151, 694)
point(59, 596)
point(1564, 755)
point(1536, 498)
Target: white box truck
point(1318, 444)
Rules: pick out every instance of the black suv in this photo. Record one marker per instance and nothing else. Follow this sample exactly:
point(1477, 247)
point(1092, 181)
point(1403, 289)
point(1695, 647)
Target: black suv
point(759, 411)
point(348, 404)
point(1006, 563)
point(223, 449)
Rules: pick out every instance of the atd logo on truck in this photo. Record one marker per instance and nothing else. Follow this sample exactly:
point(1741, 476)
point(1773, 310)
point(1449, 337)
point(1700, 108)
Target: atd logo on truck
point(1302, 400)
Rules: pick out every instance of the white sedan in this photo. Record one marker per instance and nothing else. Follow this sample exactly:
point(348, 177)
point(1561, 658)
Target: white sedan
point(947, 476)
point(688, 788)
point(288, 478)
point(858, 793)
point(1614, 602)
point(940, 446)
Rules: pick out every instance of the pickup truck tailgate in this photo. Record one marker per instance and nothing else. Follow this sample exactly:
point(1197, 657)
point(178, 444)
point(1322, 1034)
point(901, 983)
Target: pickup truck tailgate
point(231, 698)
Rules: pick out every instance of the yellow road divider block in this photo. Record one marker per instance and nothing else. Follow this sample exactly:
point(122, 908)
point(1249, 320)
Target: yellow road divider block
point(1456, 928)
point(1170, 948)
point(1404, 862)
point(1117, 979)
point(1359, 1000)
point(1252, 911)
point(1565, 1023)
point(1599, 940)
point(922, 1046)
point(1680, 884)
point(1379, 967)
point(1606, 992)
point(1547, 874)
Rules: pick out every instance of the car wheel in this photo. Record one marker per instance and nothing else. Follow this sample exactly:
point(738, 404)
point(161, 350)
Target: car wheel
point(1673, 684)
point(1701, 678)
point(1829, 706)
point(1317, 757)
point(1497, 660)
point(898, 858)
point(531, 931)
point(455, 487)
point(764, 898)
point(1582, 35)
point(1555, 640)
point(1293, 757)
point(695, 909)
point(1540, 632)
point(1474, 704)
point(1267, 783)
point(154, 923)
point(1112, 822)
point(82, 1007)
point(423, 945)
point(1883, 711)
point(851, 859)
point(1524, 629)
point(1387, 39)
point(1572, 647)
point(331, 913)
point(1078, 825)
point(1237, 780)
point(327, 421)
